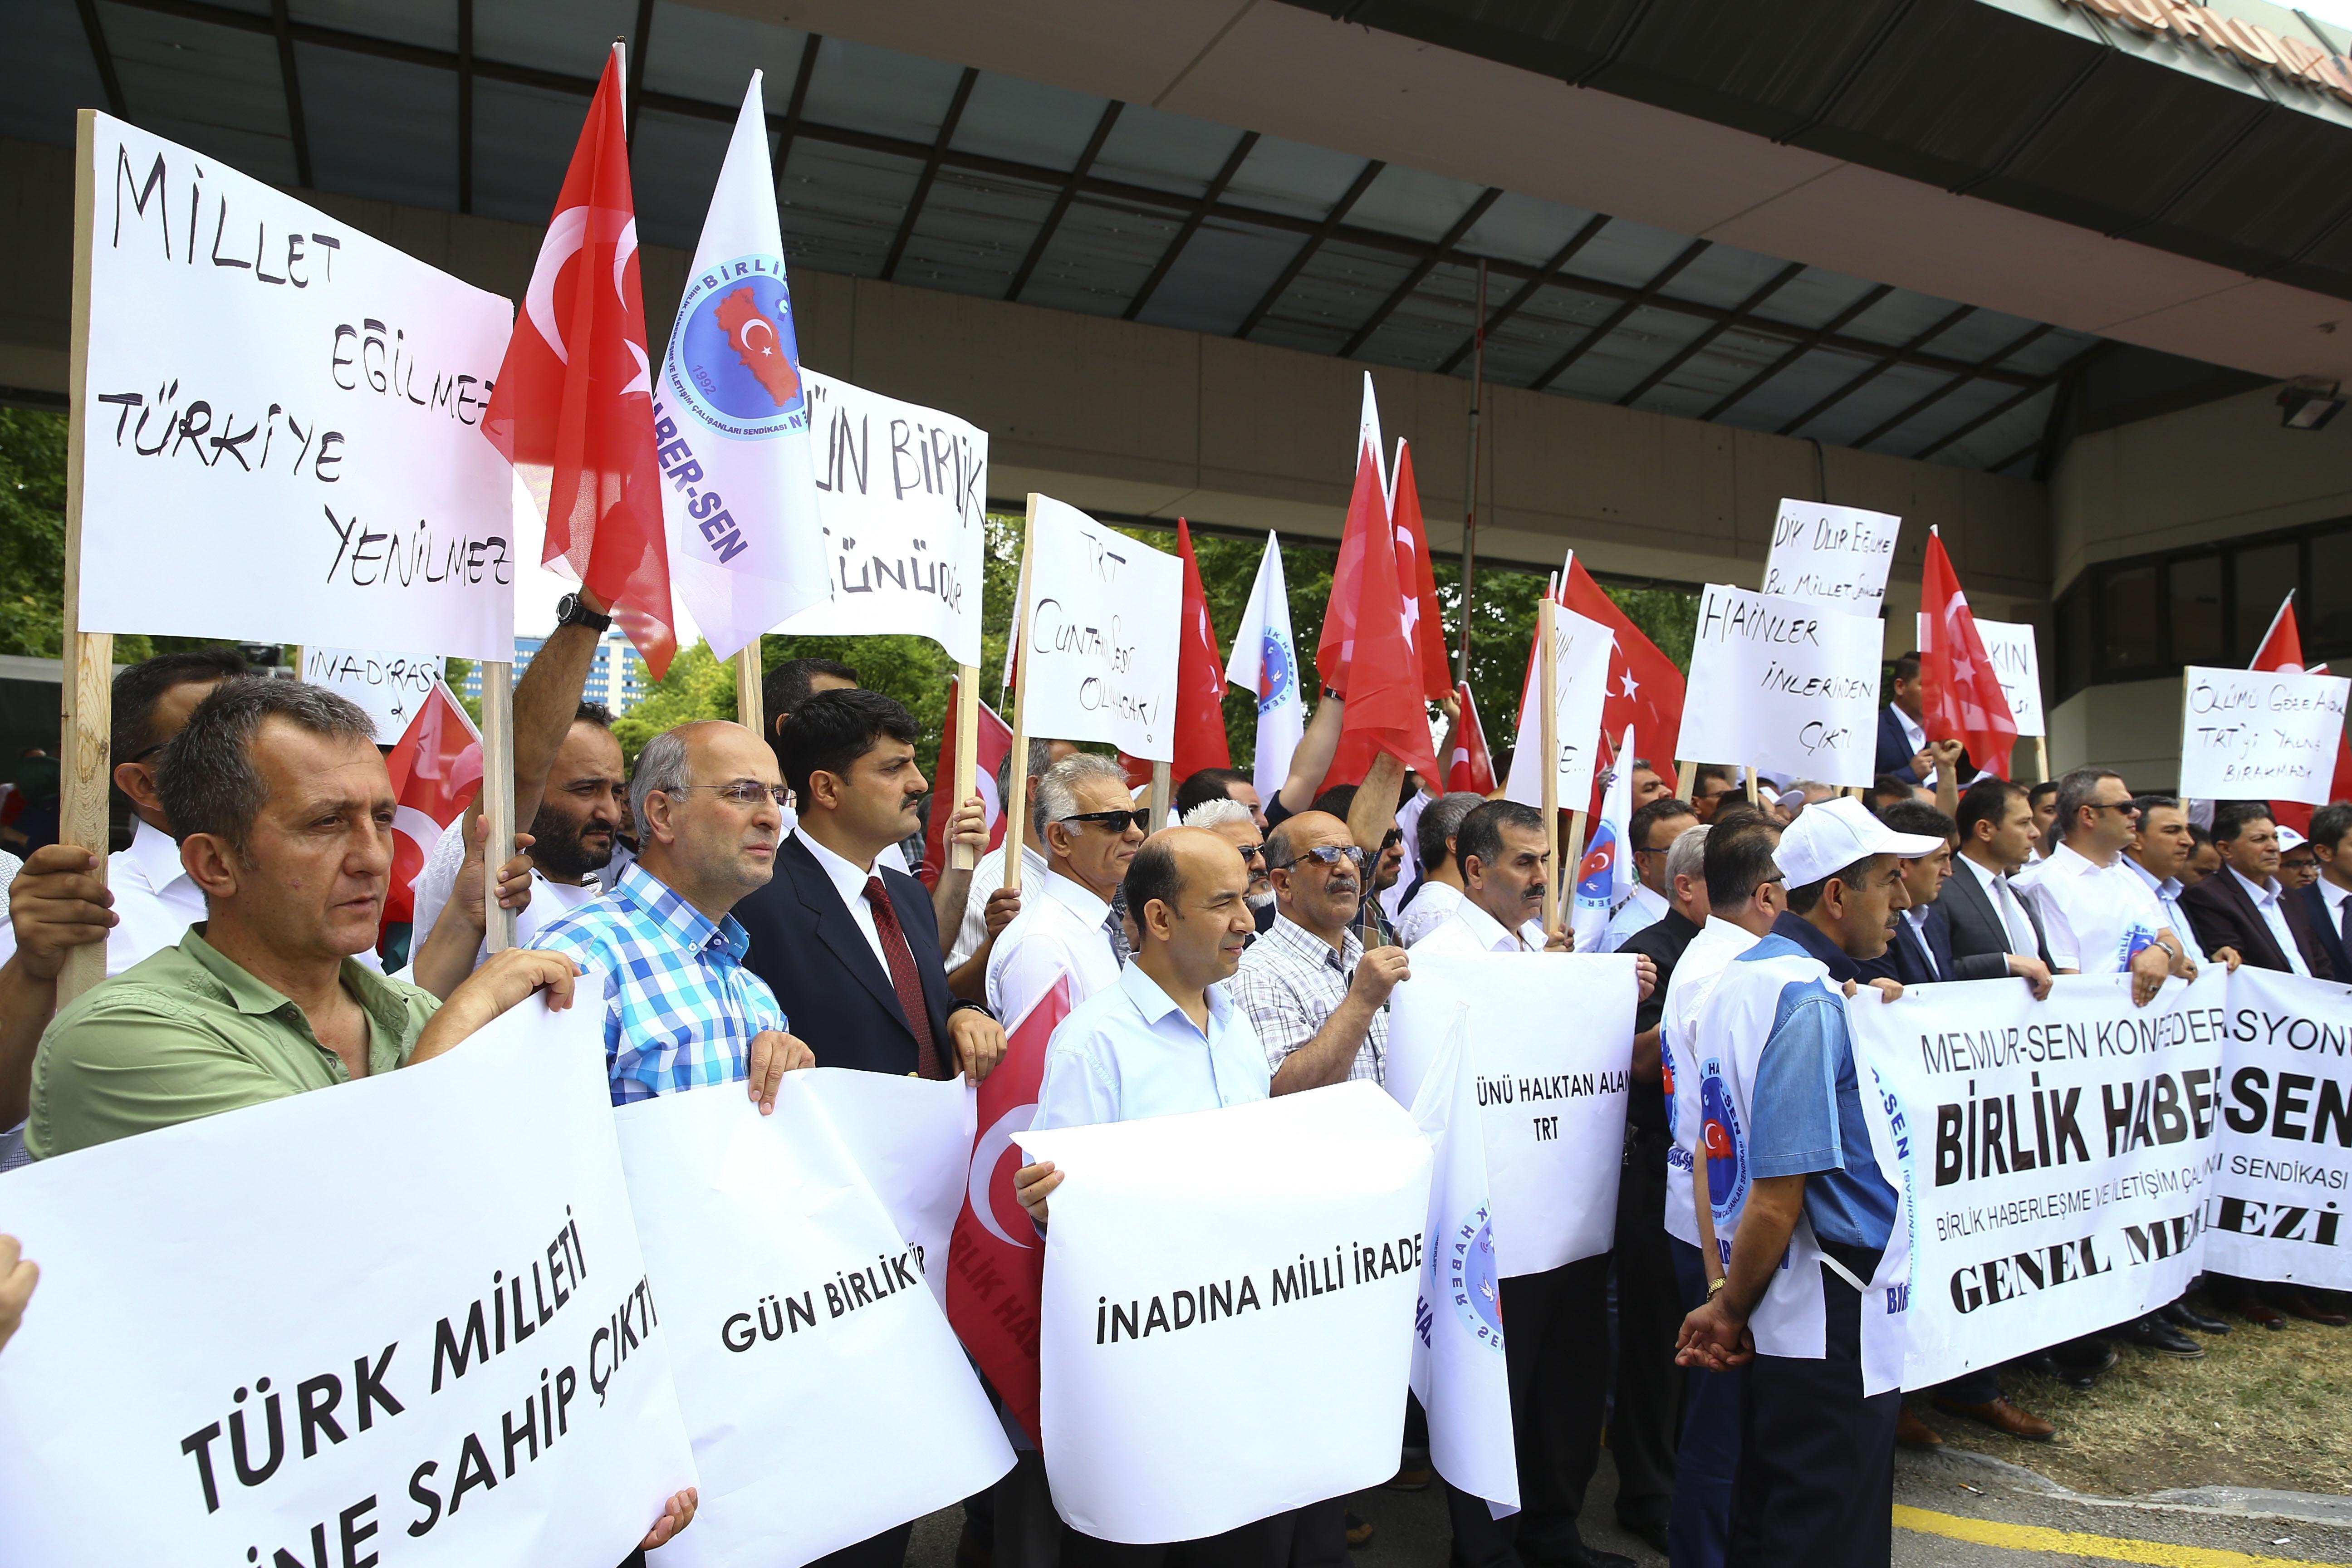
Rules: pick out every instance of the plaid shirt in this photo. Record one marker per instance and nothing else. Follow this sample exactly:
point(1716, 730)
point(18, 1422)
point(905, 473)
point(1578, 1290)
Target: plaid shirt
point(679, 1007)
point(1290, 983)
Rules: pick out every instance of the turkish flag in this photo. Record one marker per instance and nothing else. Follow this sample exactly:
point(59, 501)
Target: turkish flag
point(996, 1259)
point(1386, 711)
point(2283, 649)
point(1368, 520)
point(574, 406)
point(1470, 767)
point(994, 745)
point(1200, 683)
point(1424, 623)
point(1645, 689)
point(436, 771)
point(1960, 694)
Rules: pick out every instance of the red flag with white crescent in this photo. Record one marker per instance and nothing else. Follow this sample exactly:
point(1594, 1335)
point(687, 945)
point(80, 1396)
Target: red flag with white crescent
point(436, 771)
point(573, 408)
point(996, 1259)
point(1471, 767)
point(2283, 649)
point(995, 743)
point(1963, 699)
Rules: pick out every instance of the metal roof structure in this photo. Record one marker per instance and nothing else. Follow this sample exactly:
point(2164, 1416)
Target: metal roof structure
point(924, 172)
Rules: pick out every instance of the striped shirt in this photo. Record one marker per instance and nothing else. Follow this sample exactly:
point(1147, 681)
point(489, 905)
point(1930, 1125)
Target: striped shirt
point(1291, 981)
point(680, 1009)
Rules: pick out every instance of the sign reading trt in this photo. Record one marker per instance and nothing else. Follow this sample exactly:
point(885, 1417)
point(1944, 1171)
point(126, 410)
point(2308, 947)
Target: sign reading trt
point(2260, 734)
point(1834, 556)
point(1098, 634)
point(280, 422)
point(2063, 1154)
point(420, 1333)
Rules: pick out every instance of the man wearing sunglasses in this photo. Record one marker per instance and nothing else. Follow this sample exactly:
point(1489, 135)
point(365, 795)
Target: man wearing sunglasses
point(2099, 917)
point(1090, 829)
point(681, 1010)
point(1233, 821)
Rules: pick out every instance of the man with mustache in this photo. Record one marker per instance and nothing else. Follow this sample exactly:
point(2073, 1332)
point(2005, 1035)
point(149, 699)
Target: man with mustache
point(681, 1010)
point(1233, 821)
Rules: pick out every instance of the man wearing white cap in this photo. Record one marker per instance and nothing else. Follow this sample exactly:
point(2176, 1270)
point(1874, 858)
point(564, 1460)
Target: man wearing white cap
point(1817, 1230)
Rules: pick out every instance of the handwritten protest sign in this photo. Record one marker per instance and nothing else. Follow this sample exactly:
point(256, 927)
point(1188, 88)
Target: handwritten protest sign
point(389, 686)
point(1552, 1101)
point(1261, 1325)
point(1579, 690)
point(903, 493)
point(1782, 685)
point(1099, 642)
point(2278, 1202)
point(282, 435)
point(1834, 556)
point(827, 1399)
point(2062, 1155)
point(2009, 645)
point(2260, 734)
point(421, 1332)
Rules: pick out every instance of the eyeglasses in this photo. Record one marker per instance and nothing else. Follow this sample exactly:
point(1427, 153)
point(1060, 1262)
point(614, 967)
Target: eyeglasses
point(743, 792)
point(1251, 851)
point(1394, 836)
point(2126, 807)
point(1117, 821)
point(1328, 855)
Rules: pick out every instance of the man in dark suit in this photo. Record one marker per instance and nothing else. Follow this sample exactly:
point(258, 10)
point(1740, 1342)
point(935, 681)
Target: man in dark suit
point(851, 948)
point(2245, 908)
point(1902, 736)
point(1990, 928)
point(2327, 903)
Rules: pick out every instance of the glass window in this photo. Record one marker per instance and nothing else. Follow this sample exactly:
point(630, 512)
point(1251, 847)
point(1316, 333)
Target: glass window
point(2076, 668)
point(2128, 634)
point(2194, 594)
point(2266, 574)
point(2326, 617)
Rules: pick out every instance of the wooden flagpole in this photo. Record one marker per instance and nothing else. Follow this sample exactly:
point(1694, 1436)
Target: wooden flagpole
point(960, 857)
point(2042, 756)
point(1685, 780)
point(498, 796)
point(1158, 801)
point(88, 687)
point(748, 675)
point(1016, 791)
point(1547, 720)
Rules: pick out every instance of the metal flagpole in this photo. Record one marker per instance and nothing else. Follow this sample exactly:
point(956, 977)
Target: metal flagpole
point(1470, 488)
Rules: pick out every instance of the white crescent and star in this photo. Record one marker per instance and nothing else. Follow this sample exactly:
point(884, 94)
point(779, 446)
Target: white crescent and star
point(566, 235)
point(986, 1155)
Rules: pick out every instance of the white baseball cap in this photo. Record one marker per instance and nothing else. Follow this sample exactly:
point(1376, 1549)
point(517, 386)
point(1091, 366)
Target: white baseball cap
point(1830, 835)
point(2289, 839)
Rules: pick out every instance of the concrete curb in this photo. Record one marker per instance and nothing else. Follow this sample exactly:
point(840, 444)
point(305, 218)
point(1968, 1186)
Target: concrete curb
point(2235, 1502)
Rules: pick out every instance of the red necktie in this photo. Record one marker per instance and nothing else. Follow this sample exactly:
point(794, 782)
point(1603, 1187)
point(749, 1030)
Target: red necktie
point(903, 978)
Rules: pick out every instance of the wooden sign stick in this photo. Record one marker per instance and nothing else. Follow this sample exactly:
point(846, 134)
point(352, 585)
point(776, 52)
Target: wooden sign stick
point(88, 687)
point(966, 765)
point(748, 676)
point(1016, 789)
point(498, 794)
point(1158, 801)
point(1685, 780)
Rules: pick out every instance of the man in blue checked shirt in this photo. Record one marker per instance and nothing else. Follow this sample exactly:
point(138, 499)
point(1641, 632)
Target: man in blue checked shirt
point(680, 1009)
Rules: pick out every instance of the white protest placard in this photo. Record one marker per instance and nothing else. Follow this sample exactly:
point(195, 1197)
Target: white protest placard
point(2278, 1202)
point(1834, 556)
point(1259, 1324)
point(1553, 1099)
point(1783, 686)
point(826, 1396)
point(282, 441)
point(1098, 646)
point(2061, 1152)
point(422, 1330)
point(2010, 645)
point(388, 686)
point(2260, 734)
point(1580, 690)
point(903, 493)
point(911, 1139)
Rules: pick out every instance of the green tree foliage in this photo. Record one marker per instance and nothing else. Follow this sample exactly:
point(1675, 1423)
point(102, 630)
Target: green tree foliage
point(32, 531)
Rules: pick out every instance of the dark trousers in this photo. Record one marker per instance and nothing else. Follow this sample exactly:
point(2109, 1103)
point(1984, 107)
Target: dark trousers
point(1318, 1536)
point(1556, 1326)
point(1027, 1532)
point(1262, 1544)
point(887, 1550)
point(1816, 1487)
point(1977, 1387)
point(1647, 1422)
point(1698, 1532)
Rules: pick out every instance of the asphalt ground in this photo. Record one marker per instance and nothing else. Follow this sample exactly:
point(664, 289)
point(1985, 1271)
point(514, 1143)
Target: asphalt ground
point(1951, 1510)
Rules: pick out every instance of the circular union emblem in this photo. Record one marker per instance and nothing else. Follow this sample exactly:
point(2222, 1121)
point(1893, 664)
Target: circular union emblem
point(1471, 1279)
point(1727, 1150)
point(1278, 672)
point(737, 365)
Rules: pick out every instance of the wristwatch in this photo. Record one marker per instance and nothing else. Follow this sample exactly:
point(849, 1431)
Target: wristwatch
point(571, 610)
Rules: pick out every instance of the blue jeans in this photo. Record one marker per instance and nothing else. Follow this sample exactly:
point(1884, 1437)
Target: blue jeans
point(1699, 1525)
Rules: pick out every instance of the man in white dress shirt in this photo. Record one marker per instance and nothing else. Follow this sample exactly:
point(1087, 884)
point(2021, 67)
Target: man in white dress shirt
point(1433, 900)
point(155, 901)
point(1501, 848)
point(2158, 852)
point(1090, 830)
point(2097, 914)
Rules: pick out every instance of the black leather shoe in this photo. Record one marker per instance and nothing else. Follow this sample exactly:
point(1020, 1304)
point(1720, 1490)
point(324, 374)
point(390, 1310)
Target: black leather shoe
point(2181, 1315)
point(2042, 1363)
point(2150, 1333)
point(2089, 1353)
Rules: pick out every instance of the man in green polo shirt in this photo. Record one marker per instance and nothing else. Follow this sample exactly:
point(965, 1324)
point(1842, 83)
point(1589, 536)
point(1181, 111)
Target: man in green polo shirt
point(285, 811)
